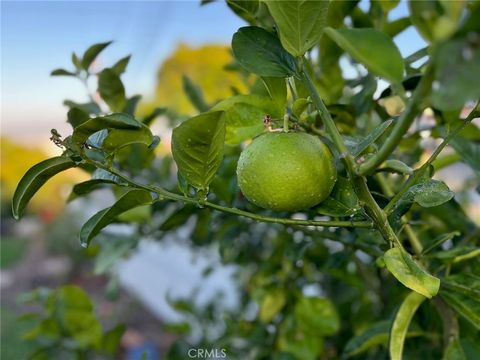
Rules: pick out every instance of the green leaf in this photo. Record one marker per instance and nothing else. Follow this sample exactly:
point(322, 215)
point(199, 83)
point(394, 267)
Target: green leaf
point(454, 351)
point(373, 49)
point(402, 322)
point(244, 116)
point(271, 304)
point(34, 179)
point(148, 119)
point(112, 121)
point(131, 105)
point(97, 222)
point(296, 344)
point(76, 62)
point(197, 148)
point(99, 179)
point(371, 138)
point(395, 27)
point(342, 201)
point(76, 116)
point(111, 339)
point(194, 94)
point(456, 74)
point(436, 20)
point(246, 9)
point(121, 65)
point(440, 240)
point(89, 108)
point(261, 53)
point(62, 72)
point(277, 90)
point(112, 250)
point(111, 89)
point(375, 335)
point(92, 52)
point(409, 273)
point(466, 305)
point(178, 218)
point(468, 150)
point(299, 106)
point(317, 316)
point(468, 284)
point(431, 193)
point(300, 23)
point(119, 138)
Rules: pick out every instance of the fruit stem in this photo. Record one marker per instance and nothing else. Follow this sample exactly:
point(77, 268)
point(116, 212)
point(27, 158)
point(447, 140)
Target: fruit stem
point(285, 123)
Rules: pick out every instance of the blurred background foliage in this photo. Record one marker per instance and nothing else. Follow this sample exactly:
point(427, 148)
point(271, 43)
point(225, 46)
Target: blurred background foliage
point(283, 276)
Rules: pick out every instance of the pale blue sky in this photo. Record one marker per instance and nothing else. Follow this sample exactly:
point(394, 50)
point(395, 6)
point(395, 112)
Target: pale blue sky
point(39, 36)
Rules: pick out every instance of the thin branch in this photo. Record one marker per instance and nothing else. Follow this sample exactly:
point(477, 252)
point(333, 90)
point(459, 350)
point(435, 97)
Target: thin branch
point(165, 194)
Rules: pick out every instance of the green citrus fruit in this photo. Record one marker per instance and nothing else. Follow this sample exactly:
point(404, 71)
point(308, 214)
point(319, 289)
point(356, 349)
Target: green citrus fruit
point(286, 171)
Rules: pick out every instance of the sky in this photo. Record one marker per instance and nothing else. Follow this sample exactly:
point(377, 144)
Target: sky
point(39, 36)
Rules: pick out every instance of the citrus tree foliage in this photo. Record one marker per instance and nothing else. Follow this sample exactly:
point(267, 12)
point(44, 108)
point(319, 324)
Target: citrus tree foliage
point(387, 265)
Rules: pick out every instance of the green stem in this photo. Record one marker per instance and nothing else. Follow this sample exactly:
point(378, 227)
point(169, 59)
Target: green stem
point(165, 194)
point(359, 183)
point(401, 125)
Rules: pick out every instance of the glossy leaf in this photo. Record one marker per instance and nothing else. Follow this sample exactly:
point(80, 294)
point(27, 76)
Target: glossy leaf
point(111, 90)
point(34, 179)
point(119, 138)
point(317, 316)
point(371, 48)
point(197, 147)
point(409, 273)
point(342, 201)
point(431, 193)
point(402, 322)
point(261, 53)
point(113, 121)
point(244, 116)
point(92, 52)
point(300, 23)
point(97, 222)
